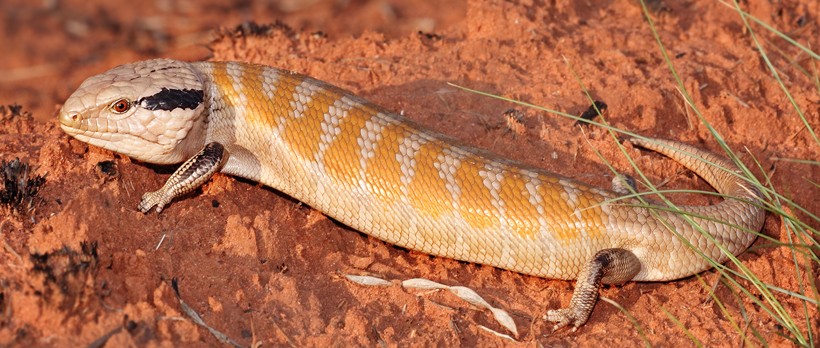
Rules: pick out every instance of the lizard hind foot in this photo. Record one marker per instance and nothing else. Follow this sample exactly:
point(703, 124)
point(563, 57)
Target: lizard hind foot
point(565, 317)
point(608, 266)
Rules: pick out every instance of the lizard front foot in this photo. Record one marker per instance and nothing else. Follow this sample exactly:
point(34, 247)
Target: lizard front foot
point(190, 175)
point(152, 199)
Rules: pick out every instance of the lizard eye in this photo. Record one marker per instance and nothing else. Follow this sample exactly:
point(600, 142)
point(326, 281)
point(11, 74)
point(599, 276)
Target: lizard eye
point(120, 106)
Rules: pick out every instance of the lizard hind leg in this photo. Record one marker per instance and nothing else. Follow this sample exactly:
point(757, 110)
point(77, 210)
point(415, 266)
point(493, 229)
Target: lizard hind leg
point(607, 266)
point(624, 184)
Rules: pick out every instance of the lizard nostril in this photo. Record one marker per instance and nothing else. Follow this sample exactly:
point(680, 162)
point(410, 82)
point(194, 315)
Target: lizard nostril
point(68, 119)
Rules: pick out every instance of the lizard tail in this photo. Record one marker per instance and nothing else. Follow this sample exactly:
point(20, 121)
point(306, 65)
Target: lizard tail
point(741, 212)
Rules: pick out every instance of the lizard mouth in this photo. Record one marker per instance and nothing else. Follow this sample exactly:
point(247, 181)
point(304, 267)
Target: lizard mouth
point(72, 124)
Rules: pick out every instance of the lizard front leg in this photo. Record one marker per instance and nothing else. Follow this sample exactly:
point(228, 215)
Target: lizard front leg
point(192, 174)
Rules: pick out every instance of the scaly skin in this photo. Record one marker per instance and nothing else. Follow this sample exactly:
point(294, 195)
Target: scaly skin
point(386, 176)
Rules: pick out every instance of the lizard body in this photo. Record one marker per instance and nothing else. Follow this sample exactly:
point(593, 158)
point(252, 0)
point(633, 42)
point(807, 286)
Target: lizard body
point(386, 176)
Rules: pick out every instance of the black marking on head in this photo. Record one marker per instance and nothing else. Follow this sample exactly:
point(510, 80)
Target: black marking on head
point(170, 99)
point(161, 69)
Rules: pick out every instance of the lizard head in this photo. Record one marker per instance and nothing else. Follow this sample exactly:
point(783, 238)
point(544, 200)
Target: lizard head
point(150, 110)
